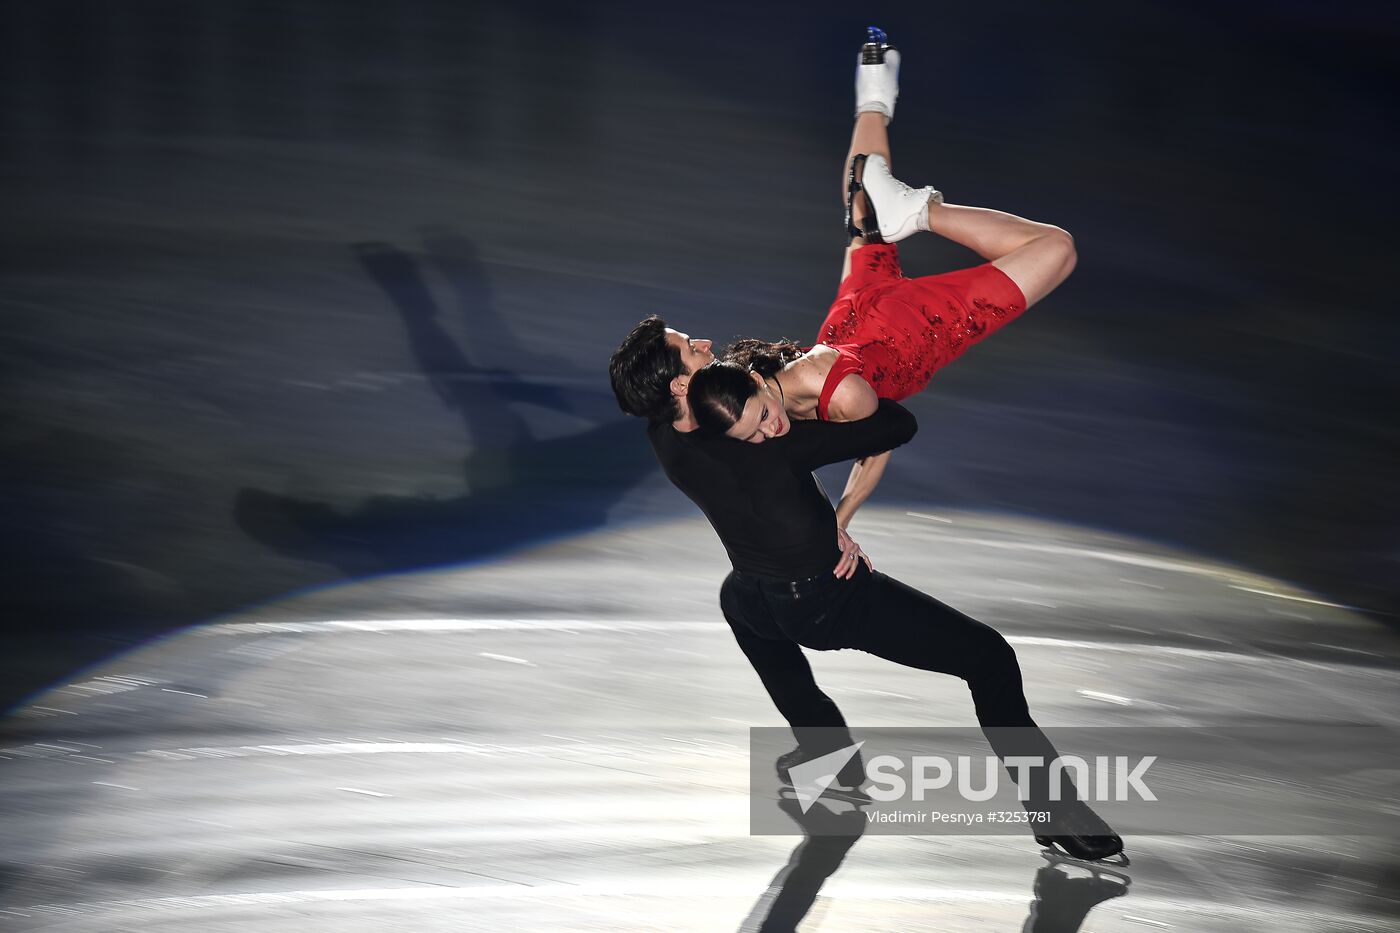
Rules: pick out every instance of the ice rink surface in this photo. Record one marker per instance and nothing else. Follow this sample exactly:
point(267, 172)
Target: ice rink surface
point(398, 754)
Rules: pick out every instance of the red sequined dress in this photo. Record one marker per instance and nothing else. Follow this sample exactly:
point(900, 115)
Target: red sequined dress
point(897, 332)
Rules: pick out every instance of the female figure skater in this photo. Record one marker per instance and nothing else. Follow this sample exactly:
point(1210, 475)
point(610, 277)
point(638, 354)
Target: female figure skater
point(885, 335)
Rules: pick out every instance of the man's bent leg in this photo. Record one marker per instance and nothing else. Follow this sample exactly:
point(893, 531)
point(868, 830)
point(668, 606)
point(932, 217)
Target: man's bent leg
point(901, 624)
point(886, 618)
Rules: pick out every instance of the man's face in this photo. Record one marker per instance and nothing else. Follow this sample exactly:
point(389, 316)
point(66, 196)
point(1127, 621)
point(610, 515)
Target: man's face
point(695, 353)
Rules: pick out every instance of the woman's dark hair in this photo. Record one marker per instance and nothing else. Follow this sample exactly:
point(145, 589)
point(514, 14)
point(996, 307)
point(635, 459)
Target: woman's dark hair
point(641, 370)
point(764, 357)
point(717, 395)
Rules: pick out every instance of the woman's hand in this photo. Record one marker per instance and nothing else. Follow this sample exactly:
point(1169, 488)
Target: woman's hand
point(850, 555)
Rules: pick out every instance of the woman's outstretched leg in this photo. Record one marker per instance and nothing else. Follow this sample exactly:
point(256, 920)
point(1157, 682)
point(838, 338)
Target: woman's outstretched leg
point(869, 137)
point(1036, 256)
point(877, 87)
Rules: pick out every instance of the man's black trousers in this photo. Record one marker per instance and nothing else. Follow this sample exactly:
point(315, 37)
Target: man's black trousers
point(875, 613)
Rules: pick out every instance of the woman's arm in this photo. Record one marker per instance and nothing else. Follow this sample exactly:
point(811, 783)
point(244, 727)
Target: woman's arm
point(855, 399)
point(865, 476)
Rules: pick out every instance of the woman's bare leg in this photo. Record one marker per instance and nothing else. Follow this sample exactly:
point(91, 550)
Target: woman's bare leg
point(1036, 256)
point(868, 137)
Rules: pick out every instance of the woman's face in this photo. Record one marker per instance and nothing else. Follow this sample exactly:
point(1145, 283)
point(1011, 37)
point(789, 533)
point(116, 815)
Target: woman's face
point(763, 416)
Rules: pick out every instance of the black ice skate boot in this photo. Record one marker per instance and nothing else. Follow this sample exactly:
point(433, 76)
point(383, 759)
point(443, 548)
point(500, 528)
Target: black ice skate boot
point(1080, 833)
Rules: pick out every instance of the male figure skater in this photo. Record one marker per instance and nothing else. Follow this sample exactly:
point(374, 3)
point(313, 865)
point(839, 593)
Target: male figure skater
point(780, 532)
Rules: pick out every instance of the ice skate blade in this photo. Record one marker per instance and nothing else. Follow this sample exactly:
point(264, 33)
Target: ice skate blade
point(1097, 867)
point(1053, 847)
point(870, 230)
point(876, 45)
point(858, 797)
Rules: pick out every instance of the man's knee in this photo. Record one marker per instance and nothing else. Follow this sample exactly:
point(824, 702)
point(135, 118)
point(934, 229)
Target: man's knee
point(996, 657)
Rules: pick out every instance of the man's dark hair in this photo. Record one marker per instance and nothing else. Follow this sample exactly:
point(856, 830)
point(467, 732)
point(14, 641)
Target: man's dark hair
point(718, 393)
point(641, 370)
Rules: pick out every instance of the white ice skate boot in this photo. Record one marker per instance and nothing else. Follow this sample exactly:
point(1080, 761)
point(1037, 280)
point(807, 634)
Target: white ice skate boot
point(877, 76)
point(893, 209)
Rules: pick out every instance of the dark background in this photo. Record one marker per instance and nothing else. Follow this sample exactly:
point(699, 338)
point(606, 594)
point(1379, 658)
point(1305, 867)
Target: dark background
point(301, 291)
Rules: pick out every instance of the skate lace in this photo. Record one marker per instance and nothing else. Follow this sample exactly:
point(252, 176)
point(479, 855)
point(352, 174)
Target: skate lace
point(900, 188)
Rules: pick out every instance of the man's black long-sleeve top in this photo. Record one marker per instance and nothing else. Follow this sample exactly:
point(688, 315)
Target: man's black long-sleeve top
point(762, 499)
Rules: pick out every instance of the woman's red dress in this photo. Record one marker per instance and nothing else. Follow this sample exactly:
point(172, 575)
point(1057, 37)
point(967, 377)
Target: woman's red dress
point(896, 332)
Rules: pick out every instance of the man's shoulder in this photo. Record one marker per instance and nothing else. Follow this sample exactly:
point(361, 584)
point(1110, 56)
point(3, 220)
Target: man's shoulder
point(696, 449)
point(664, 437)
point(672, 447)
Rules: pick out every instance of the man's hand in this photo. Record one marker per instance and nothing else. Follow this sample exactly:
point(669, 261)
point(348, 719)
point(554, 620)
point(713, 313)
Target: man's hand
point(850, 554)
